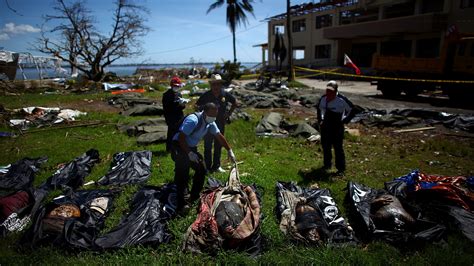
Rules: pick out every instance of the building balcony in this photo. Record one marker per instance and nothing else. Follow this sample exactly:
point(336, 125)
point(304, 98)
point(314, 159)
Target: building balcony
point(431, 22)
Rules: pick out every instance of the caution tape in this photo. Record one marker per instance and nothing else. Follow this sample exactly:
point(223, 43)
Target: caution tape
point(317, 74)
point(386, 78)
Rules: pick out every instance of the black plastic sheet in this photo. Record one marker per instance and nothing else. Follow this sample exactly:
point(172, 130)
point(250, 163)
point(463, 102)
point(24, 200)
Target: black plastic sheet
point(128, 168)
point(67, 230)
point(72, 174)
point(21, 174)
point(311, 216)
point(146, 224)
point(399, 224)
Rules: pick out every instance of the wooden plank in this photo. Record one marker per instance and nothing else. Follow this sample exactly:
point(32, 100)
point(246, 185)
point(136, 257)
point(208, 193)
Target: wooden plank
point(413, 129)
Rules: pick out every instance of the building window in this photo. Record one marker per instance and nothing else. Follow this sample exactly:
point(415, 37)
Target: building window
point(298, 53)
point(427, 48)
point(299, 25)
point(322, 51)
point(323, 21)
point(467, 3)
point(278, 28)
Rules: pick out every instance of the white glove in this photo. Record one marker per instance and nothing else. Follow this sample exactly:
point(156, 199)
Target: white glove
point(231, 155)
point(183, 101)
point(193, 157)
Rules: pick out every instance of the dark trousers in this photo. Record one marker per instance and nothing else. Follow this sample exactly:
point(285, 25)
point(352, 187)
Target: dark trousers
point(332, 137)
point(213, 161)
point(181, 174)
point(172, 129)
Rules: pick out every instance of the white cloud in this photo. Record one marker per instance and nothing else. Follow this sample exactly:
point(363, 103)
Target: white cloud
point(4, 37)
point(19, 29)
point(10, 29)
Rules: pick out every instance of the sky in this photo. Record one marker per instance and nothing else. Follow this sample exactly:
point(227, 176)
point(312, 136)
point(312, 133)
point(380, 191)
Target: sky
point(180, 29)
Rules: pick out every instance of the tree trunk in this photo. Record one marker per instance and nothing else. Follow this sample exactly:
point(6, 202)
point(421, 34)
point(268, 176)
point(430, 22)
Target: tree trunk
point(290, 41)
point(233, 42)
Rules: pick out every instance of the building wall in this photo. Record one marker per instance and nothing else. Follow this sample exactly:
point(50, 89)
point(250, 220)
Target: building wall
point(426, 25)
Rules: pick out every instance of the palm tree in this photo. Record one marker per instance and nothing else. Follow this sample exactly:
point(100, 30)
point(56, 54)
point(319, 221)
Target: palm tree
point(235, 15)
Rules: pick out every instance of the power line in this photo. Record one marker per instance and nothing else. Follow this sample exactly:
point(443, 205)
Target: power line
point(204, 43)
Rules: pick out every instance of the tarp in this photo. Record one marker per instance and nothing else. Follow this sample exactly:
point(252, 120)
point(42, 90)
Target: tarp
point(146, 224)
point(144, 110)
point(310, 215)
point(132, 167)
point(380, 215)
point(229, 218)
point(73, 173)
point(447, 199)
point(20, 175)
point(407, 117)
point(71, 221)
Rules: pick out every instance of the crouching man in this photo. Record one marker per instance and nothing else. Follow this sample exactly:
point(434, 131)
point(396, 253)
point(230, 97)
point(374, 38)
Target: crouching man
point(185, 154)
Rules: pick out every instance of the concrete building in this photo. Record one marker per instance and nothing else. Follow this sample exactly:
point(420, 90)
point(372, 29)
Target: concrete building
point(322, 31)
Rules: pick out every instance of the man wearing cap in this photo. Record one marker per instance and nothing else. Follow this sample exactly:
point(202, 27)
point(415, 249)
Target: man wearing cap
point(334, 110)
point(173, 105)
point(185, 155)
point(221, 99)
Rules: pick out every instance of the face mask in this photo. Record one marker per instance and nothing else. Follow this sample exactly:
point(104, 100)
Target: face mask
point(175, 89)
point(210, 119)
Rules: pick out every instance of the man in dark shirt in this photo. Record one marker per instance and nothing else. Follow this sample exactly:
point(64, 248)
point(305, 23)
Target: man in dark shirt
point(173, 105)
point(221, 99)
point(333, 111)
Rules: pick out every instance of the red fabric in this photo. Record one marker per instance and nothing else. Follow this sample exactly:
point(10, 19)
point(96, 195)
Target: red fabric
point(206, 225)
point(348, 62)
point(13, 203)
point(450, 189)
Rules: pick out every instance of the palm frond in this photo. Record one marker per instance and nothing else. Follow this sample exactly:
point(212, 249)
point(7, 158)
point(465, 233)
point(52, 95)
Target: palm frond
point(217, 4)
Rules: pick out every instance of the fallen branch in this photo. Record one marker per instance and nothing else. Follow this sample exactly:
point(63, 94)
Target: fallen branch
point(413, 129)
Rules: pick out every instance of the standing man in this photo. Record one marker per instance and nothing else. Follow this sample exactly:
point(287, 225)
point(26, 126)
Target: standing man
point(221, 99)
point(185, 155)
point(334, 110)
point(173, 105)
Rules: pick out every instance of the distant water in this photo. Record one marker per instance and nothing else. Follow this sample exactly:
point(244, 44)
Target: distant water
point(32, 73)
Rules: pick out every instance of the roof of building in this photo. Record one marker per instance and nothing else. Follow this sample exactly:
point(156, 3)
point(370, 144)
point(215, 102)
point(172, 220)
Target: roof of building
point(306, 8)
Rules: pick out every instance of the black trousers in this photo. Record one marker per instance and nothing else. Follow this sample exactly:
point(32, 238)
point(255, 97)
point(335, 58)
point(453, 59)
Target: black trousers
point(181, 174)
point(213, 160)
point(332, 136)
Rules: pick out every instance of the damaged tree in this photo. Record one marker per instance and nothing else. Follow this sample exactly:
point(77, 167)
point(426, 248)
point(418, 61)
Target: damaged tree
point(77, 41)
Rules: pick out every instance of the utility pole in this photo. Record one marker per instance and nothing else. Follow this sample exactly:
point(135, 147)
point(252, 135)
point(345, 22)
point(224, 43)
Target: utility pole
point(290, 41)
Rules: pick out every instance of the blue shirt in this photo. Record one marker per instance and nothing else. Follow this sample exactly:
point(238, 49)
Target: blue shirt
point(193, 134)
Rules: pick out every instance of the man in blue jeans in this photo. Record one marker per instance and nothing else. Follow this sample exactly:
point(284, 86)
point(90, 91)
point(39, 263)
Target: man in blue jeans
point(185, 154)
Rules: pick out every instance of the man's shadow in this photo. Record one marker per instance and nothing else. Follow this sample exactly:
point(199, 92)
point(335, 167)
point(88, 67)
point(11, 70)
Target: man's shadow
point(315, 174)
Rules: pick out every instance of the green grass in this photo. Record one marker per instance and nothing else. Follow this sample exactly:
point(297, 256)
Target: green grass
point(374, 157)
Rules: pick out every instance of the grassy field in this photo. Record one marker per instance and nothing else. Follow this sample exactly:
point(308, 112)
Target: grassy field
point(374, 157)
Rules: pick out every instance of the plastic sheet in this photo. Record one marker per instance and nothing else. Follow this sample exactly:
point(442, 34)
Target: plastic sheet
point(311, 216)
point(396, 225)
point(146, 224)
point(128, 168)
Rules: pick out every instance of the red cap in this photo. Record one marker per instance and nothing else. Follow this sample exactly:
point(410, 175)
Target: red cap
point(175, 82)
